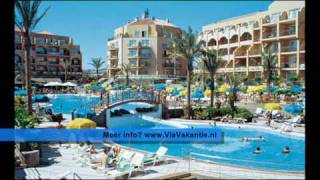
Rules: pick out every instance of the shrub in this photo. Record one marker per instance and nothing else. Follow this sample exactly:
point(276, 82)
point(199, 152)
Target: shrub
point(243, 113)
point(226, 110)
point(19, 102)
point(23, 119)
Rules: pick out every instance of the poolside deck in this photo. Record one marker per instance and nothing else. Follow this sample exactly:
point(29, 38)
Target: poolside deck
point(56, 160)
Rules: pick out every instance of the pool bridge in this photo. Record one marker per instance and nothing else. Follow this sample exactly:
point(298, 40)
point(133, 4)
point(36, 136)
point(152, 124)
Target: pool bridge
point(119, 98)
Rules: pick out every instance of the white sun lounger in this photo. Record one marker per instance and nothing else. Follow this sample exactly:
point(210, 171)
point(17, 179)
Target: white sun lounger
point(135, 164)
point(157, 157)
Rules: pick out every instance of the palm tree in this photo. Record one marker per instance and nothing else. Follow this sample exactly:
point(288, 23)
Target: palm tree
point(270, 64)
point(234, 82)
point(26, 20)
point(66, 64)
point(97, 64)
point(211, 62)
point(188, 47)
point(201, 68)
point(125, 70)
point(20, 73)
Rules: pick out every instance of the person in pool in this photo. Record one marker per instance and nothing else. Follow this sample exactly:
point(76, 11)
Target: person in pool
point(286, 150)
point(261, 138)
point(257, 151)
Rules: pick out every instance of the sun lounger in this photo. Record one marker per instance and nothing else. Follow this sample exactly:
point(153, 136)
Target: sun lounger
point(157, 157)
point(135, 164)
point(258, 112)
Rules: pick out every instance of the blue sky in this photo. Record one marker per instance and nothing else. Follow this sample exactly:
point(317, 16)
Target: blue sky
point(90, 23)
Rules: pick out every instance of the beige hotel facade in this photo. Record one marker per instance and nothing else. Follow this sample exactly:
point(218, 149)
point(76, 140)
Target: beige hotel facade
point(145, 43)
point(240, 40)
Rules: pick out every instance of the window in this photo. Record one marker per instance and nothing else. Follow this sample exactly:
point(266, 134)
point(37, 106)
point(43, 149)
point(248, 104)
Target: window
point(292, 45)
point(133, 63)
point(143, 34)
point(251, 23)
point(137, 34)
point(274, 47)
point(133, 53)
point(53, 41)
point(166, 34)
point(75, 51)
point(145, 43)
point(132, 43)
point(164, 53)
point(17, 39)
point(145, 53)
point(62, 43)
point(275, 17)
point(40, 50)
point(293, 13)
point(40, 40)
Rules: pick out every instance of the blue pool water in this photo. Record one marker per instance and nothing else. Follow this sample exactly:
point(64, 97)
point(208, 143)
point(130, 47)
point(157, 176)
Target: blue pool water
point(233, 151)
point(67, 103)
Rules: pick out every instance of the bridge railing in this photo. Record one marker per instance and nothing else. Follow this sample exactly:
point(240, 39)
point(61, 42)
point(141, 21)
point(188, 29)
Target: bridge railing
point(120, 96)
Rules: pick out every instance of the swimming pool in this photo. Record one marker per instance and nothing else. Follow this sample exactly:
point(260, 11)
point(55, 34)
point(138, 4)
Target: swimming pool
point(233, 151)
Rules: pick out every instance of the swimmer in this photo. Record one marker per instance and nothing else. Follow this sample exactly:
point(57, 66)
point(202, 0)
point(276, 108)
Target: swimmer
point(261, 138)
point(286, 150)
point(245, 139)
point(257, 151)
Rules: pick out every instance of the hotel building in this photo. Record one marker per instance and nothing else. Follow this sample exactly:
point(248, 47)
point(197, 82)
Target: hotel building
point(49, 53)
point(240, 40)
point(145, 43)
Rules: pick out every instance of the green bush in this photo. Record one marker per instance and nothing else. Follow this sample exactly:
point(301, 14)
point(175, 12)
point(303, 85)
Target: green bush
point(19, 102)
point(23, 119)
point(243, 113)
point(226, 110)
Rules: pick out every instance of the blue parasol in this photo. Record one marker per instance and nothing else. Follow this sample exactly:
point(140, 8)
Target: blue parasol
point(160, 87)
point(296, 89)
point(20, 92)
point(294, 109)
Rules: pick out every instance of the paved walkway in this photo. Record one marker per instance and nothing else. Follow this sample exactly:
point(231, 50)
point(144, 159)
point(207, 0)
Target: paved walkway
point(57, 160)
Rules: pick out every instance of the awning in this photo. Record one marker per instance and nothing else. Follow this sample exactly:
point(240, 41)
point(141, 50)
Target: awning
point(53, 84)
point(69, 84)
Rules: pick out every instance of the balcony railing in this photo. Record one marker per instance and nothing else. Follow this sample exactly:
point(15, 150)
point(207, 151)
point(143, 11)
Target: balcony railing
point(288, 48)
point(289, 65)
point(171, 65)
point(288, 32)
point(113, 57)
point(53, 53)
point(255, 68)
point(271, 35)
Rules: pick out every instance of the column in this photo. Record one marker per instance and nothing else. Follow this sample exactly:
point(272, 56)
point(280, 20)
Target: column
point(279, 58)
point(298, 58)
point(247, 62)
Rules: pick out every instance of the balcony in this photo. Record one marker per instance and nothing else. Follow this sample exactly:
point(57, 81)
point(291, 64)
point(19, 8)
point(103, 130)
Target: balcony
point(289, 65)
point(224, 70)
point(42, 63)
point(113, 57)
point(255, 68)
point(53, 53)
point(168, 65)
point(289, 49)
point(113, 48)
point(288, 32)
point(269, 35)
point(241, 69)
point(53, 63)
